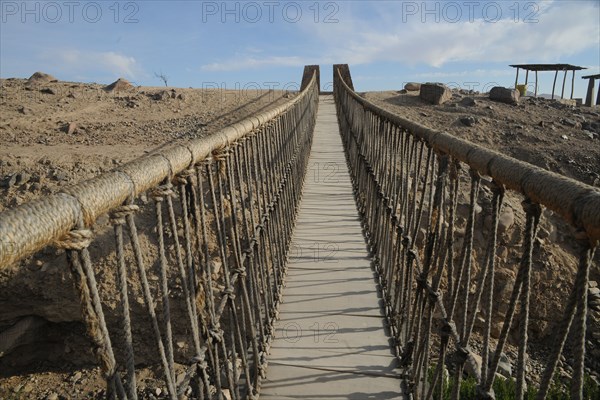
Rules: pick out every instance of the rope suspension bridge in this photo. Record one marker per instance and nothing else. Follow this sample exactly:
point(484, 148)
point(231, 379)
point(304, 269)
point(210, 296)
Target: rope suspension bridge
point(286, 249)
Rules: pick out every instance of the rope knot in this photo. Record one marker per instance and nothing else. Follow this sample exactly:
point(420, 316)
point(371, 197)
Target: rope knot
point(434, 296)
point(263, 364)
point(200, 361)
point(118, 215)
point(412, 254)
point(241, 271)
point(531, 208)
point(448, 328)
point(162, 191)
point(422, 278)
point(497, 187)
point(221, 154)
point(474, 173)
point(184, 176)
point(77, 239)
point(229, 292)
point(216, 334)
point(462, 354)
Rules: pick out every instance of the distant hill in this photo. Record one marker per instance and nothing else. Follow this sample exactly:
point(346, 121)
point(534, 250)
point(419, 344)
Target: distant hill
point(544, 95)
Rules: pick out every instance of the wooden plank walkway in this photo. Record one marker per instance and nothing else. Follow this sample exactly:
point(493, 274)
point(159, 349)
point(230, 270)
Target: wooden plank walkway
point(330, 342)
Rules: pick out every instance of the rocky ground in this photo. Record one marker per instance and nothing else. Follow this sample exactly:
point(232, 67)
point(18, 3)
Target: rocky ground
point(550, 134)
point(55, 134)
point(58, 133)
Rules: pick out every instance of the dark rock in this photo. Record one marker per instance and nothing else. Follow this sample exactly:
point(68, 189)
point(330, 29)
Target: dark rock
point(591, 126)
point(162, 95)
point(10, 181)
point(70, 128)
point(412, 86)
point(181, 96)
point(591, 135)
point(468, 102)
point(504, 95)
point(435, 93)
point(506, 220)
point(469, 121)
point(504, 366)
point(48, 91)
point(403, 91)
point(59, 176)
point(23, 178)
point(25, 110)
point(570, 122)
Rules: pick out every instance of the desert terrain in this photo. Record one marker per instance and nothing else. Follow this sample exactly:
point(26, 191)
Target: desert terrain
point(54, 134)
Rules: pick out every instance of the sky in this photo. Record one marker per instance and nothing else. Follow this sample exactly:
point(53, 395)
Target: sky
point(265, 44)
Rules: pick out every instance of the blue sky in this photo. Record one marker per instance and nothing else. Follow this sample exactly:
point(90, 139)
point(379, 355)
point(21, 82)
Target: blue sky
point(248, 44)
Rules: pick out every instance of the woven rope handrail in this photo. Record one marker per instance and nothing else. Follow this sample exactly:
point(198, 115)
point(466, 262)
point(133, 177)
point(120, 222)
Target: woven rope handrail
point(31, 226)
point(577, 202)
point(436, 277)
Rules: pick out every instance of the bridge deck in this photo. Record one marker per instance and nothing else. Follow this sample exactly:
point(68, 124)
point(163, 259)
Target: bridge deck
point(330, 340)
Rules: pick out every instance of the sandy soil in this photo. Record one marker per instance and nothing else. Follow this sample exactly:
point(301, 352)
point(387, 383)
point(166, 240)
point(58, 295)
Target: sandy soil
point(108, 128)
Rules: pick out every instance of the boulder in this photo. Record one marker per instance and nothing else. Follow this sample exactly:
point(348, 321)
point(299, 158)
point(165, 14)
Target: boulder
point(162, 95)
point(39, 78)
point(504, 366)
point(23, 178)
point(120, 85)
point(504, 95)
point(25, 110)
point(412, 86)
point(9, 181)
point(506, 220)
point(473, 365)
point(435, 93)
point(70, 128)
point(469, 120)
point(468, 102)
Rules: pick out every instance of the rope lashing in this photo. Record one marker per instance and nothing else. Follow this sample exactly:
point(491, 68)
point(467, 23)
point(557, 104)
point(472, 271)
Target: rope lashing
point(119, 215)
point(77, 239)
point(160, 192)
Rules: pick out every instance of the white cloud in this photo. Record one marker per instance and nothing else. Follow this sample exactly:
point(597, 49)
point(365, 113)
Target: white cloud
point(562, 30)
point(244, 63)
point(84, 61)
point(484, 73)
